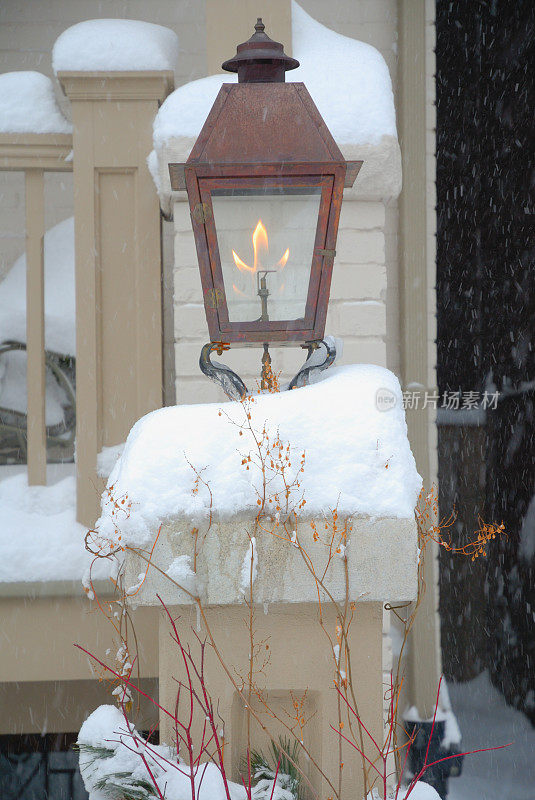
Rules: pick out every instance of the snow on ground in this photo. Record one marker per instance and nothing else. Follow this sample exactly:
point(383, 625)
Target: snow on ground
point(60, 311)
point(122, 767)
point(40, 539)
point(444, 713)
point(115, 44)
point(106, 727)
point(486, 720)
point(360, 112)
point(421, 791)
point(28, 104)
point(358, 458)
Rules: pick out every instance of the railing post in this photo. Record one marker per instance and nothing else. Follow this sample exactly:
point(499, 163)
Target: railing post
point(118, 263)
point(418, 325)
point(35, 325)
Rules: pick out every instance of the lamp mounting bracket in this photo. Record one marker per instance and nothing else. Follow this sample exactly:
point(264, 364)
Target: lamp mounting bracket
point(235, 388)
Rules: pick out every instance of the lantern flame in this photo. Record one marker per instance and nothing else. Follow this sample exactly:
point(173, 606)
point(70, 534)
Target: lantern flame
point(260, 244)
point(284, 259)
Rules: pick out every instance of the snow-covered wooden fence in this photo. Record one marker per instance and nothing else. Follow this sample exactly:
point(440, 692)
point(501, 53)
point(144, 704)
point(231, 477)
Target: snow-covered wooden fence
point(117, 253)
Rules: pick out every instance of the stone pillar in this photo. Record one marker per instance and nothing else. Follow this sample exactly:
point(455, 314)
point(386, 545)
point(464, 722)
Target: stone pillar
point(118, 263)
point(293, 655)
point(300, 665)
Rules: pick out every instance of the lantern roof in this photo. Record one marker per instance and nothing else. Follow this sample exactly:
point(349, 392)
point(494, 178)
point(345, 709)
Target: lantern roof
point(260, 59)
point(252, 123)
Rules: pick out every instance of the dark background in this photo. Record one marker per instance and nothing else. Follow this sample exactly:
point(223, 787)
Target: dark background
point(486, 330)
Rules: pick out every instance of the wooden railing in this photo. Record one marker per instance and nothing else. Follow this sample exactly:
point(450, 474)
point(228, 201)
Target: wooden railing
point(117, 265)
point(35, 154)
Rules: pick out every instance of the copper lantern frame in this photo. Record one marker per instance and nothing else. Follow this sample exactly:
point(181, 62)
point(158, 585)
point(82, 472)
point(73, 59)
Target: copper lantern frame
point(264, 133)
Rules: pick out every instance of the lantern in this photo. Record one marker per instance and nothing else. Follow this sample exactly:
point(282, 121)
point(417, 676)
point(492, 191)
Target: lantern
point(265, 181)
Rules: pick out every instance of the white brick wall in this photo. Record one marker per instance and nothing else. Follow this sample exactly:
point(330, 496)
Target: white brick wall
point(363, 280)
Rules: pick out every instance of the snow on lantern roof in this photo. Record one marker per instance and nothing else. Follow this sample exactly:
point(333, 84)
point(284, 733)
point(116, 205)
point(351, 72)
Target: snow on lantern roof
point(28, 104)
point(348, 80)
point(357, 457)
point(115, 44)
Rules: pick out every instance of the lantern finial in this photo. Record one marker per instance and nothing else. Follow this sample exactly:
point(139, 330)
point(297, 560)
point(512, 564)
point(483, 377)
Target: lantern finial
point(260, 59)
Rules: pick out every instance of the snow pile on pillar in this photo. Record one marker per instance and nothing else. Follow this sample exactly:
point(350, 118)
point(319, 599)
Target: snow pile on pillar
point(348, 80)
point(184, 111)
point(110, 45)
point(28, 104)
point(357, 456)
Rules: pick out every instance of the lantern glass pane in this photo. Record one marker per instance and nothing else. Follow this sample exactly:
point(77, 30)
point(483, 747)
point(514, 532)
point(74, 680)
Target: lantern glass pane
point(266, 239)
